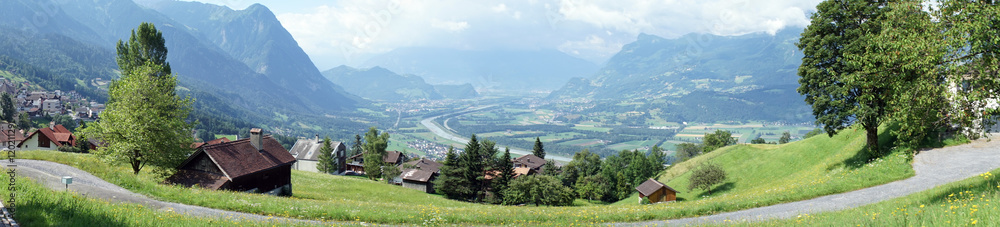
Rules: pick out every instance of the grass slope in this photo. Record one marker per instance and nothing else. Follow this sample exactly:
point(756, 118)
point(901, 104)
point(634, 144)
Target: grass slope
point(969, 202)
point(760, 175)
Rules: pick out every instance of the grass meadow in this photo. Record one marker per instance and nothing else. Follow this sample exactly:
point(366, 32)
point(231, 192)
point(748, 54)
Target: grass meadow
point(970, 202)
point(760, 175)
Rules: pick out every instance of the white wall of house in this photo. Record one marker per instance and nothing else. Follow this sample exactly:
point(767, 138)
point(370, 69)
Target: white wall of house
point(32, 144)
point(306, 165)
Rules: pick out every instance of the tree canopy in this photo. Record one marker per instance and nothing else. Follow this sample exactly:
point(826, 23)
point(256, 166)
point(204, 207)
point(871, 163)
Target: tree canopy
point(374, 148)
point(145, 121)
point(325, 162)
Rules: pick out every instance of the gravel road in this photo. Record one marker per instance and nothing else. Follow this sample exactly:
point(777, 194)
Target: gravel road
point(933, 168)
point(50, 174)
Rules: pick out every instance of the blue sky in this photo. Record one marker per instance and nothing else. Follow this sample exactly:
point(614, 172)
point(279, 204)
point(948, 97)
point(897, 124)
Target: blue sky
point(336, 32)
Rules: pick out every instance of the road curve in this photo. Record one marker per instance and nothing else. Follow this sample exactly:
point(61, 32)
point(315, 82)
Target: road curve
point(933, 168)
point(446, 134)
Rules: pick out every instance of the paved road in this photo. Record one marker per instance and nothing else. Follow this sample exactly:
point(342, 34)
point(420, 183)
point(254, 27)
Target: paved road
point(933, 168)
point(50, 174)
point(446, 134)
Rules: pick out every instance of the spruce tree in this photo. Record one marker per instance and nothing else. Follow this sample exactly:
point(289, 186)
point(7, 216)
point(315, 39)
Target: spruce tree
point(539, 149)
point(505, 165)
point(326, 163)
point(452, 182)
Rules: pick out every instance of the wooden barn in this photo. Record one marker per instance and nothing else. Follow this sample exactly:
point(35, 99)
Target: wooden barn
point(258, 164)
point(656, 192)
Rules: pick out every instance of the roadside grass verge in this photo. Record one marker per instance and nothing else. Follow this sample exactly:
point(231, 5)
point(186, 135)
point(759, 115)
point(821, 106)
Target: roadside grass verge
point(40, 206)
point(973, 201)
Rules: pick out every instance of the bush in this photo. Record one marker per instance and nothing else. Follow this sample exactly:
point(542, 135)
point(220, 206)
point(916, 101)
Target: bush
point(539, 190)
point(70, 149)
point(812, 133)
point(758, 140)
point(705, 176)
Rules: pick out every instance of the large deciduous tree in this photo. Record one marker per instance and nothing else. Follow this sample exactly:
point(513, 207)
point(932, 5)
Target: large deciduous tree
point(840, 94)
point(145, 121)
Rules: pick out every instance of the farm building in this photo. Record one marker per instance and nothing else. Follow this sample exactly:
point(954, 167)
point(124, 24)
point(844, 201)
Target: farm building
point(306, 151)
point(258, 164)
point(50, 138)
point(530, 161)
point(418, 179)
point(656, 192)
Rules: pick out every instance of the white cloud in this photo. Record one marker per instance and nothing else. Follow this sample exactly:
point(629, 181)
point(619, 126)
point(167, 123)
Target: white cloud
point(349, 31)
point(454, 26)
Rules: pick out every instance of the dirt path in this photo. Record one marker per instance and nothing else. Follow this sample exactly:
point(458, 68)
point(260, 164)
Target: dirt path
point(933, 168)
point(50, 174)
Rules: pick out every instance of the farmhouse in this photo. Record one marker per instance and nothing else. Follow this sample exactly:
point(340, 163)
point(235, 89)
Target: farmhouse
point(49, 138)
point(306, 152)
point(356, 163)
point(529, 161)
point(656, 192)
point(10, 135)
point(255, 164)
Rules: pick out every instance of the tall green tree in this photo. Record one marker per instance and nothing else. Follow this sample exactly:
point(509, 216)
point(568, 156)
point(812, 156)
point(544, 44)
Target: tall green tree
point(505, 166)
point(325, 161)
point(374, 147)
point(144, 124)
point(145, 46)
point(840, 94)
point(145, 121)
point(452, 182)
point(9, 111)
point(706, 176)
point(356, 148)
point(539, 149)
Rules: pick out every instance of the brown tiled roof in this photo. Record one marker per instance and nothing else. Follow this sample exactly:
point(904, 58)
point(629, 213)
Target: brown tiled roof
point(59, 135)
point(424, 164)
point(239, 158)
point(190, 178)
point(531, 161)
point(651, 186)
point(210, 142)
point(18, 136)
point(392, 157)
point(522, 171)
point(417, 175)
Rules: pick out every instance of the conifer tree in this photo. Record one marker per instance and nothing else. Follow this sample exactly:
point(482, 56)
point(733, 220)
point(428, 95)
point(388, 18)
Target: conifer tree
point(539, 149)
point(326, 163)
point(452, 182)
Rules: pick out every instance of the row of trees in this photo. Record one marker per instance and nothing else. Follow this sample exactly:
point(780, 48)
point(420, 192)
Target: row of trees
point(710, 142)
point(869, 62)
point(481, 175)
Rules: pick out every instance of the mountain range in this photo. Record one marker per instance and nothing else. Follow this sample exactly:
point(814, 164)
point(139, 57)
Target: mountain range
point(240, 64)
point(378, 83)
point(506, 70)
point(703, 77)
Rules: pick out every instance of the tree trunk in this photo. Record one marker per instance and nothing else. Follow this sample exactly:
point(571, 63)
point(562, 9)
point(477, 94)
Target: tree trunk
point(136, 162)
point(872, 130)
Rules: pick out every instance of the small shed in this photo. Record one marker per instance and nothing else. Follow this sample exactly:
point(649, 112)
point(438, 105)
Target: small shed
point(422, 180)
point(656, 192)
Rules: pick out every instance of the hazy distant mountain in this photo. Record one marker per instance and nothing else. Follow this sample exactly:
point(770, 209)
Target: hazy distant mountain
point(697, 74)
point(378, 83)
point(461, 91)
point(493, 70)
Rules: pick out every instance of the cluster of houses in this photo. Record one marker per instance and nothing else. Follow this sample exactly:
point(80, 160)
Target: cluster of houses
point(51, 103)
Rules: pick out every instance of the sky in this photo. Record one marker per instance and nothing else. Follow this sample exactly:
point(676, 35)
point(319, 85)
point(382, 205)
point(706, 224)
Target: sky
point(348, 32)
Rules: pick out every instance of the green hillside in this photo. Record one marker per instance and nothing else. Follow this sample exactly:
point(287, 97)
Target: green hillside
point(760, 175)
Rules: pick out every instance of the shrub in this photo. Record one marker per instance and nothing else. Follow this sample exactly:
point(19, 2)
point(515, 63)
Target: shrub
point(705, 176)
